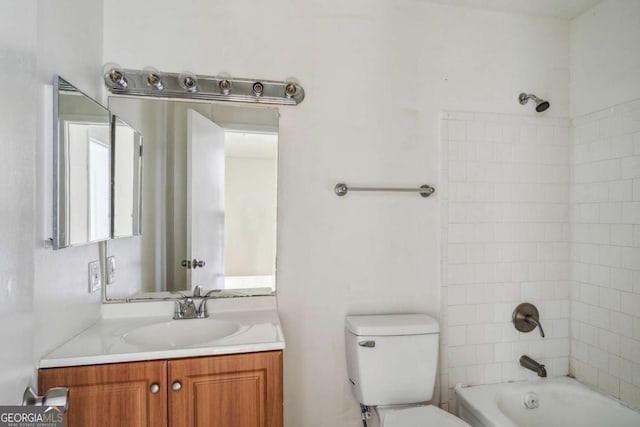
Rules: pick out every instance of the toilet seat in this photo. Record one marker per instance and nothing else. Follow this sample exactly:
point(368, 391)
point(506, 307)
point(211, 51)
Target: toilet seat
point(420, 416)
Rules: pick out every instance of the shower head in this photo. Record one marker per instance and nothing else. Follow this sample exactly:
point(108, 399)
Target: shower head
point(541, 104)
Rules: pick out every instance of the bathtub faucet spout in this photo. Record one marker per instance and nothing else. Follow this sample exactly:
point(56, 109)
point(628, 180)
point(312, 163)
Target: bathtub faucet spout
point(529, 363)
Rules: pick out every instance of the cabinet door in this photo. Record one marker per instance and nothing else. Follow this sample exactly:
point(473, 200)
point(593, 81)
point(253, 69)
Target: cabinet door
point(240, 390)
point(112, 395)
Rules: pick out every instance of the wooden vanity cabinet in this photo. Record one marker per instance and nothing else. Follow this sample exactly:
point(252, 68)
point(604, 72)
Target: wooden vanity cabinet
point(224, 391)
point(111, 395)
point(239, 390)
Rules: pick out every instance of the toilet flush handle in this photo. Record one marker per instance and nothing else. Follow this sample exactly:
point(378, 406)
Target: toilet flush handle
point(369, 344)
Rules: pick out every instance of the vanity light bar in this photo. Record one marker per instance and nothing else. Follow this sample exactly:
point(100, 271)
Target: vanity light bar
point(190, 86)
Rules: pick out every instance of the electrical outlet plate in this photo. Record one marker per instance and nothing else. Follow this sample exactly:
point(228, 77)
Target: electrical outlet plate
point(111, 270)
point(95, 280)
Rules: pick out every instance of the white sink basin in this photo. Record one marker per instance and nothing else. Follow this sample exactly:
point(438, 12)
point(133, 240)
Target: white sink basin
point(177, 333)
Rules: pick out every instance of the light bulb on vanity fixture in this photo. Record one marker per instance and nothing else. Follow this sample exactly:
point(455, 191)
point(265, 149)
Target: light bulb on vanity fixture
point(225, 86)
point(224, 83)
point(114, 76)
point(291, 87)
point(290, 90)
point(188, 81)
point(257, 89)
point(152, 78)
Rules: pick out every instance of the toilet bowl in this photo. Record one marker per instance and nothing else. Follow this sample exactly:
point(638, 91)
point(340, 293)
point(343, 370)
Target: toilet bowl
point(392, 361)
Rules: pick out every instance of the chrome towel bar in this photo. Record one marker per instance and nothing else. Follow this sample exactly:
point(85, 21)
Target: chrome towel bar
point(342, 189)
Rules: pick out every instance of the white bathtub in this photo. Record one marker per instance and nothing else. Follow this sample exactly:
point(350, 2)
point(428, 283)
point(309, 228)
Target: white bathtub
point(561, 402)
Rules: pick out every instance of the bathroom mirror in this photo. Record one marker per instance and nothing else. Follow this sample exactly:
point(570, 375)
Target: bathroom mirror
point(126, 179)
point(81, 167)
point(209, 193)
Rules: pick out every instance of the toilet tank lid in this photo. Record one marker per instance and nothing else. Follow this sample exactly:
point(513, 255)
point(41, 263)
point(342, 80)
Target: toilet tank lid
point(392, 324)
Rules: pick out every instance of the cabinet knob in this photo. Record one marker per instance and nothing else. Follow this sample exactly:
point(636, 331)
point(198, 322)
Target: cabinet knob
point(176, 386)
point(155, 387)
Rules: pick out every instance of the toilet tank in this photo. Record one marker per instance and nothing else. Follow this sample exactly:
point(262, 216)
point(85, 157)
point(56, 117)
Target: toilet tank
point(392, 359)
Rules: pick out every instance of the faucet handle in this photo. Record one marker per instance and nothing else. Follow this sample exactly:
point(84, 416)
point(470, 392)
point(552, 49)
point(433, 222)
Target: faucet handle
point(526, 318)
point(203, 311)
point(189, 309)
point(535, 322)
point(178, 313)
point(185, 309)
point(197, 291)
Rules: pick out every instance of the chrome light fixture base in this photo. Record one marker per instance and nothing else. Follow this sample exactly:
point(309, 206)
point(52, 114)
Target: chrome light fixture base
point(199, 87)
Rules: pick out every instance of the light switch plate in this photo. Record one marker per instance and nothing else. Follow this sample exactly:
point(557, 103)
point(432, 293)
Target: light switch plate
point(95, 280)
point(111, 270)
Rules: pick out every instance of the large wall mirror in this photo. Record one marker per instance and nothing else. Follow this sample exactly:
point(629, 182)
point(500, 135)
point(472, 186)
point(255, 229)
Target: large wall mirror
point(209, 193)
point(82, 168)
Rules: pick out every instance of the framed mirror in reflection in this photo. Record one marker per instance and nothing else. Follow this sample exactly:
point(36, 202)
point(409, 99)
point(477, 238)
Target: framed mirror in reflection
point(82, 168)
point(209, 194)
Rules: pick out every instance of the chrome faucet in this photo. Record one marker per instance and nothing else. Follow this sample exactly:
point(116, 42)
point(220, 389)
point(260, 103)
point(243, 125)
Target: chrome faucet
point(529, 363)
point(202, 309)
point(185, 307)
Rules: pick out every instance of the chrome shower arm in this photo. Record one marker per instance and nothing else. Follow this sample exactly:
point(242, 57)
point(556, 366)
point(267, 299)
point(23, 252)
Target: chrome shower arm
point(525, 97)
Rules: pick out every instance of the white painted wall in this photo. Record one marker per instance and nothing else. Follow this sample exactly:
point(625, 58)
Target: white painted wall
point(605, 195)
point(136, 272)
point(376, 74)
point(43, 294)
point(605, 59)
point(125, 163)
point(250, 210)
point(17, 57)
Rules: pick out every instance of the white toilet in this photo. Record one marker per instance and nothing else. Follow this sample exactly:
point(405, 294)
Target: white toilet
point(392, 360)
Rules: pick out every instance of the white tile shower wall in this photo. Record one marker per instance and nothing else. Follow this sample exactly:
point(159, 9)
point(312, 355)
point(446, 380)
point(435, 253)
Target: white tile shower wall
point(505, 234)
point(605, 251)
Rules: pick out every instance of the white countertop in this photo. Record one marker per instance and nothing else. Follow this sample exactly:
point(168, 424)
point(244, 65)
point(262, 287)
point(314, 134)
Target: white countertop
point(103, 342)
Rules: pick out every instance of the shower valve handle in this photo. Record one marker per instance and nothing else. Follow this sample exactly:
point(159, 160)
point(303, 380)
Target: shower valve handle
point(526, 318)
